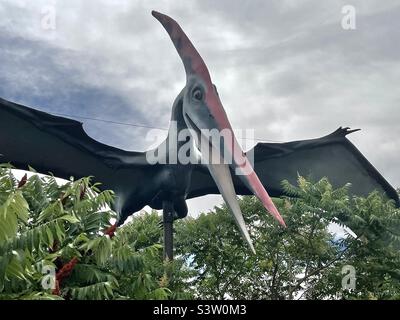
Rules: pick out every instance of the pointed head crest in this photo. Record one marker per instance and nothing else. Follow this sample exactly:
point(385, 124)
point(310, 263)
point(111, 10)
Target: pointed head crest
point(192, 61)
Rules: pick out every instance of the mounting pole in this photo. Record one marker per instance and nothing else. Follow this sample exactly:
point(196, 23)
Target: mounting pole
point(168, 220)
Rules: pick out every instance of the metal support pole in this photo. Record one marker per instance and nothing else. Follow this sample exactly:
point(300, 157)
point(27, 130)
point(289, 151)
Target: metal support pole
point(168, 220)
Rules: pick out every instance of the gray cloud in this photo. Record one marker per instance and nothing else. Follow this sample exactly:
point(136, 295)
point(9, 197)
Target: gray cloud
point(284, 68)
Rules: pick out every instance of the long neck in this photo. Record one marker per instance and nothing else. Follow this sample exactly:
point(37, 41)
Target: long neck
point(177, 120)
point(177, 124)
point(169, 148)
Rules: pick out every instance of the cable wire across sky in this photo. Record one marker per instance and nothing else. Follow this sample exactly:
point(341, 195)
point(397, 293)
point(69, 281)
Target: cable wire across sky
point(144, 126)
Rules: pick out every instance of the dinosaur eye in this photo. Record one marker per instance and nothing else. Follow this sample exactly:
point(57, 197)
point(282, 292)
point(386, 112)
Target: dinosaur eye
point(197, 95)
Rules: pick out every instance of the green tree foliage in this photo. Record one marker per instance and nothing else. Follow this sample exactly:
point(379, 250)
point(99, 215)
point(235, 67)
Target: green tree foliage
point(45, 226)
point(304, 260)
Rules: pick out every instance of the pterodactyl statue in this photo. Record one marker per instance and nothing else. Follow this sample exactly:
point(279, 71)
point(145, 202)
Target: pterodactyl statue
point(58, 145)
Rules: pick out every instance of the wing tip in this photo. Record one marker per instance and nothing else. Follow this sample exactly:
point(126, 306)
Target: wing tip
point(342, 132)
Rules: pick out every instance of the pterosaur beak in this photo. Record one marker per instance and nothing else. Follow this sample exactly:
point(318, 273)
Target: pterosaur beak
point(210, 117)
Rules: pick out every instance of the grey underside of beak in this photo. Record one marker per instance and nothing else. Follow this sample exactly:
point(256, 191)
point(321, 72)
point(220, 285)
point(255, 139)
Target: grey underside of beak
point(222, 177)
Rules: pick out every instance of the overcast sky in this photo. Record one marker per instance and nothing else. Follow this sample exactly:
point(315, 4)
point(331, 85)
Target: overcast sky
point(284, 68)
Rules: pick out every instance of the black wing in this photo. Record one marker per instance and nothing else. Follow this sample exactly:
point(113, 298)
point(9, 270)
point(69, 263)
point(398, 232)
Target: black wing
point(60, 146)
point(332, 156)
